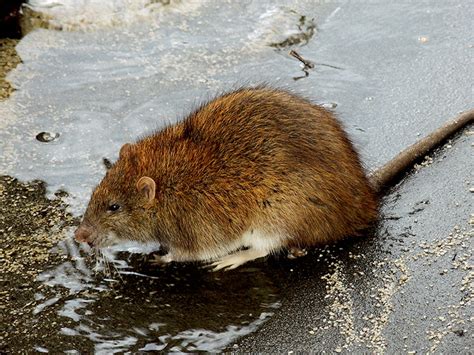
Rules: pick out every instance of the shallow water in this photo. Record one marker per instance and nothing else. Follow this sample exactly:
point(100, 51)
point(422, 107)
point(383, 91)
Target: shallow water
point(131, 305)
point(80, 96)
point(97, 90)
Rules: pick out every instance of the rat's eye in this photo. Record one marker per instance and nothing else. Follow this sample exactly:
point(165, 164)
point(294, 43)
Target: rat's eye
point(114, 207)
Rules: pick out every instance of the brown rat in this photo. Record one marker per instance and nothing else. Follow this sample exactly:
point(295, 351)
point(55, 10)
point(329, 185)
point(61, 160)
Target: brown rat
point(257, 168)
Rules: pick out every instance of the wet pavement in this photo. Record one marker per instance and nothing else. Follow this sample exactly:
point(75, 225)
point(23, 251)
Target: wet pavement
point(392, 72)
point(408, 287)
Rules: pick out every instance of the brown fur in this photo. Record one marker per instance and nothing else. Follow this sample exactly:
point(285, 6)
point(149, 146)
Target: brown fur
point(253, 158)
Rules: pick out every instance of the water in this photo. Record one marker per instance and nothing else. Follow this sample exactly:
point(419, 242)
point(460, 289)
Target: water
point(135, 306)
point(110, 78)
point(96, 90)
point(103, 85)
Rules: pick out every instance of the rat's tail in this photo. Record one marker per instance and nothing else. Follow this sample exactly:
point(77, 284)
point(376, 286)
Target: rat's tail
point(385, 176)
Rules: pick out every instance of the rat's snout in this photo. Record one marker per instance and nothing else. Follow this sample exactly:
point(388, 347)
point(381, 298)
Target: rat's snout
point(83, 233)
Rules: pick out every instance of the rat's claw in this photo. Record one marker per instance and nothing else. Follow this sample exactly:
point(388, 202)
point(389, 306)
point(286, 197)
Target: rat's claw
point(224, 263)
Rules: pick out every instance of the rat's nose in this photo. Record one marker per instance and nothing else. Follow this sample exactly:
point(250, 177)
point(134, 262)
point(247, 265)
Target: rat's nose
point(83, 233)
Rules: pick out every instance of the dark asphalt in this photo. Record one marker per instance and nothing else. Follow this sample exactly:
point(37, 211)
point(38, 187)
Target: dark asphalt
point(408, 287)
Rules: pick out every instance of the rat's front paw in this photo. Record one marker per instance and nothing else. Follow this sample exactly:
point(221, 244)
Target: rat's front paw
point(228, 262)
point(161, 259)
point(236, 259)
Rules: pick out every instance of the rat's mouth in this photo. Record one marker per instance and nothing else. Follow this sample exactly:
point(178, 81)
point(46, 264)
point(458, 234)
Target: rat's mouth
point(97, 242)
point(88, 234)
point(101, 241)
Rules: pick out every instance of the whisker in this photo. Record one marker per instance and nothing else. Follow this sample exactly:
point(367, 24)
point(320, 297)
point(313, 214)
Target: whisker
point(107, 270)
point(99, 262)
point(110, 268)
point(117, 272)
point(95, 256)
point(113, 264)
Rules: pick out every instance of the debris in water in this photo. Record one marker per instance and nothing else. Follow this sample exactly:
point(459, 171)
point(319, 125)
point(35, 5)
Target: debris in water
point(306, 29)
point(46, 137)
point(330, 105)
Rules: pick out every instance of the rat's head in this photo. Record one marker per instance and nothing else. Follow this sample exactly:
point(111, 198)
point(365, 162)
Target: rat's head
point(120, 208)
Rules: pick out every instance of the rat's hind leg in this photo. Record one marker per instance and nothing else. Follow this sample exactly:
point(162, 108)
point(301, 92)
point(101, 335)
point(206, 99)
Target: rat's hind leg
point(296, 252)
point(238, 258)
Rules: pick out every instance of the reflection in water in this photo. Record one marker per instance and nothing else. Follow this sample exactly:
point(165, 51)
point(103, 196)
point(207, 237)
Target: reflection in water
point(141, 307)
point(202, 339)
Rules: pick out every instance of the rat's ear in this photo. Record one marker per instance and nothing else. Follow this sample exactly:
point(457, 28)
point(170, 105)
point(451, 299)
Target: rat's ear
point(147, 187)
point(125, 150)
